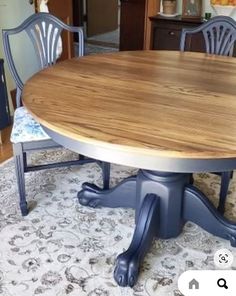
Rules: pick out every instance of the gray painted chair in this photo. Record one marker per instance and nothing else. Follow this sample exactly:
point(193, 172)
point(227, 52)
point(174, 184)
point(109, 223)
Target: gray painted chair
point(219, 35)
point(44, 31)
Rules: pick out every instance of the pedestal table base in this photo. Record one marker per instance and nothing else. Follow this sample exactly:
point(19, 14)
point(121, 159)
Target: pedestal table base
point(163, 203)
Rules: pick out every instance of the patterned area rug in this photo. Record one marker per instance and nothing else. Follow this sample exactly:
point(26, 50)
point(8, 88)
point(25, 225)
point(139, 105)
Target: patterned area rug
point(109, 37)
point(94, 49)
point(62, 248)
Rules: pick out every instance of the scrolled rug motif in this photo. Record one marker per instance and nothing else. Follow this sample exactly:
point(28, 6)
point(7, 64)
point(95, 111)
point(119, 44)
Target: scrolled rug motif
point(62, 248)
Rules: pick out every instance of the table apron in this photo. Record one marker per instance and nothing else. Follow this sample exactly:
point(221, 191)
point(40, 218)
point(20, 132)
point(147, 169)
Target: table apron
point(144, 161)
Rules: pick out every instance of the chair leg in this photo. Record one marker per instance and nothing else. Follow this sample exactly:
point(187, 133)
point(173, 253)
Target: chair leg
point(191, 179)
point(18, 97)
point(19, 167)
point(106, 167)
point(231, 174)
point(225, 179)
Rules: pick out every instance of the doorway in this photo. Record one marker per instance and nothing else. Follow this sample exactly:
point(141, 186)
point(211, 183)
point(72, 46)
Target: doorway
point(100, 19)
point(128, 28)
point(102, 23)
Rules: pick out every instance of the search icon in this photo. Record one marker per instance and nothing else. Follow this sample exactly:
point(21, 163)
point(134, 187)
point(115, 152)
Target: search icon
point(222, 283)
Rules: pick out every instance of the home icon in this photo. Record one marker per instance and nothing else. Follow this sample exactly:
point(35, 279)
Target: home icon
point(194, 284)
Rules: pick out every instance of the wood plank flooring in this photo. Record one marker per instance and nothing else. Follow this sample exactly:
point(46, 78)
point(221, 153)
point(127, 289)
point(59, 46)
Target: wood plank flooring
point(6, 146)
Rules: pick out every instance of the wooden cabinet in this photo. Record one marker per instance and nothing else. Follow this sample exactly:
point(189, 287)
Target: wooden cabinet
point(166, 33)
point(4, 106)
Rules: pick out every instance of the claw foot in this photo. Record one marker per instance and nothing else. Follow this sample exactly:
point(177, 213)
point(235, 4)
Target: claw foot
point(93, 203)
point(88, 196)
point(89, 201)
point(126, 271)
point(122, 195)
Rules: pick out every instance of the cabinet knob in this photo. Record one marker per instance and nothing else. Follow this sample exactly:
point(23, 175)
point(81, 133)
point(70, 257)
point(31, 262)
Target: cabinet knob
point(171, 33)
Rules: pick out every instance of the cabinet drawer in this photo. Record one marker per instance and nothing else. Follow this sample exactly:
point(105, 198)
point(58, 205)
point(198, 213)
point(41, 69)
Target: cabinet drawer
point(166, 32)
point(166, 38)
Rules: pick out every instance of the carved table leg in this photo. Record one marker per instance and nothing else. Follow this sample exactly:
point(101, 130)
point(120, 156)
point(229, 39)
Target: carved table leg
point(122, 195)
point(127, 266)
point(198, 209)
point(169, 187)
point(159, 197)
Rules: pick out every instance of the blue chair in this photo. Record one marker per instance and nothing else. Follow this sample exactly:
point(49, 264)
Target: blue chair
point(219, 35)
point(44, 31)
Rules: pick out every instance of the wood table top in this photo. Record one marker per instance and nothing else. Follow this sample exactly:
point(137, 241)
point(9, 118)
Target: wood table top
point(157, 103)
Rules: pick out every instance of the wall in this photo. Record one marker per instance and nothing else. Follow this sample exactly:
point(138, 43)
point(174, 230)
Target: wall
point(206, 8)
point(12, 13)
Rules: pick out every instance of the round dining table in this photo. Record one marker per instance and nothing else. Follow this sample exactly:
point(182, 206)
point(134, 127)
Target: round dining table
point(167, 113)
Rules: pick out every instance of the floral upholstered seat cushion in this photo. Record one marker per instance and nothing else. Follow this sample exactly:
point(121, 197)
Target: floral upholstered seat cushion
point(25, 128)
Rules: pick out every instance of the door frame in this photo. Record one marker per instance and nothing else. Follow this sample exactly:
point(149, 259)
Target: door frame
point(152, 7)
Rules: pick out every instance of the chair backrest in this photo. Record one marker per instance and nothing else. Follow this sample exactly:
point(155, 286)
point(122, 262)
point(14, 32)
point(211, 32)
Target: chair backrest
point(219, 35)
point(44, 31)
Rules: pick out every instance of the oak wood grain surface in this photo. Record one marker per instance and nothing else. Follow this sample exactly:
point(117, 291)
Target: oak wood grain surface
point(160, 103)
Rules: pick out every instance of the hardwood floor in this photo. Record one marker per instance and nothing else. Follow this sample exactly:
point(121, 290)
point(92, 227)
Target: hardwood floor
point(6, 146)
